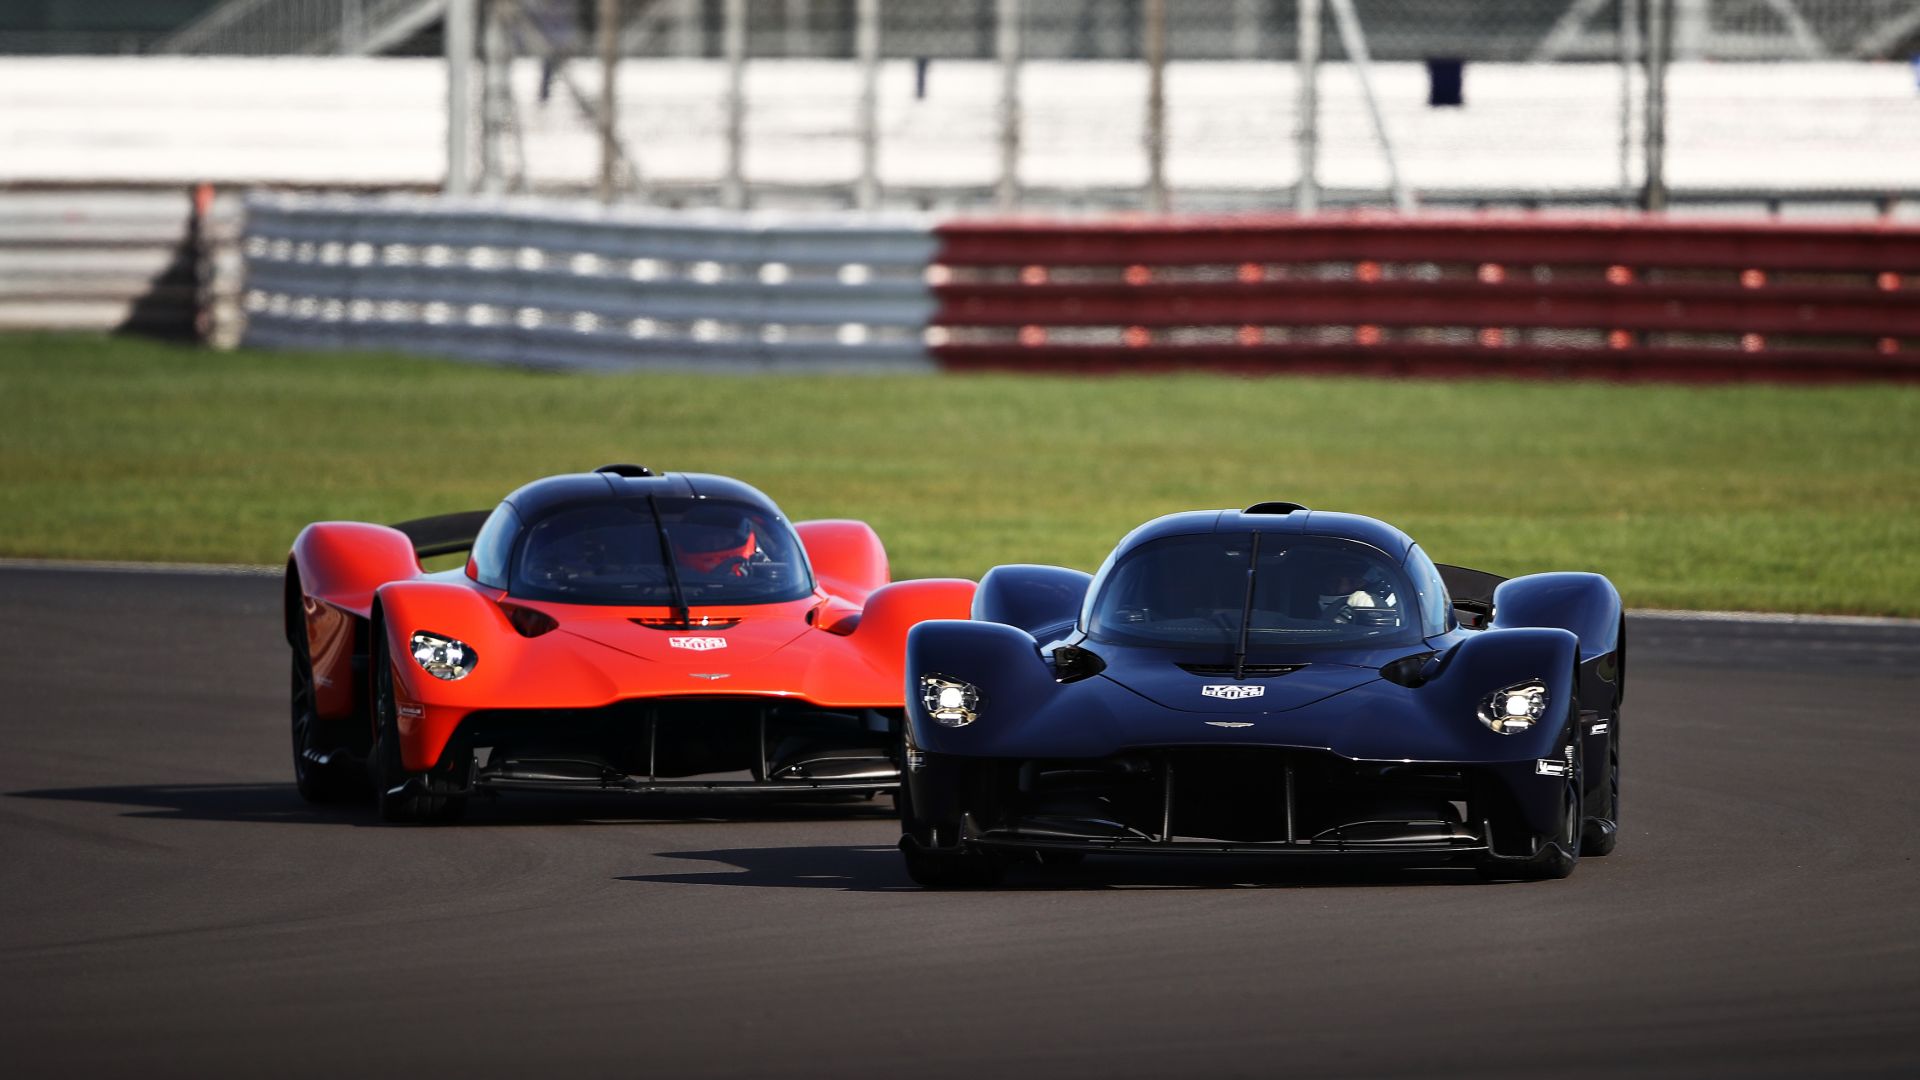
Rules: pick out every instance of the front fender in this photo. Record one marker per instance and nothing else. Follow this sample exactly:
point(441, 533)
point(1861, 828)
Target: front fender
point(1033, 598)
point(332, 574)
point(1002, 661)
point(344, 562)
point(510, 671)
point(847, 557)
point(895, 609)
point(1587, 605)
point(1484, 663)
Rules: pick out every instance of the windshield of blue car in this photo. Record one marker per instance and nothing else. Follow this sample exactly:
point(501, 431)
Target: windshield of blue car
point(723, 553)
point(1191, 592)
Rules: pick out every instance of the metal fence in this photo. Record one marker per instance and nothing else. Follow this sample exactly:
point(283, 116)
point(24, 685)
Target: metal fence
point(584, 287)
point(1041, 104)
point(158, 262)
point(1517, 296)
point(1201, 103)
point(1486, 30)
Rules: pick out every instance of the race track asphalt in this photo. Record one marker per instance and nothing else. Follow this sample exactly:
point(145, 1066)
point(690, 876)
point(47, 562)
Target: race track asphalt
point(169, 907)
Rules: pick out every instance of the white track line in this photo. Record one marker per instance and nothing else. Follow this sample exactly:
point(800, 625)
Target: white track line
point(116, 567)
point(243, 570)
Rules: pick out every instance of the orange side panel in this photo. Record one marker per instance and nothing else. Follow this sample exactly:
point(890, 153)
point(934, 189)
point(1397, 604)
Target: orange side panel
point(847, 557)
point(893, 610)
point(343, 562)
point(339, 565)
point(330, 646)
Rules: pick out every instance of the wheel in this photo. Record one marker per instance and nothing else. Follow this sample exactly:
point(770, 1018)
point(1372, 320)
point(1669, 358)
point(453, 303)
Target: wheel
point(318, 779)
point(967, 868)
point(400, 801)
point(1602, 833)
point(1555, 856)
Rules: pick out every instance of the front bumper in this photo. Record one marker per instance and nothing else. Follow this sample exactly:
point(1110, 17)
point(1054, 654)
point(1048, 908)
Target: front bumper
point(1230, 801)
point(705, 746)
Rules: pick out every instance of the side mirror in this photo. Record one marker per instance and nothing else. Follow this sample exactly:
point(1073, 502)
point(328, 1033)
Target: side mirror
point(1071, 663)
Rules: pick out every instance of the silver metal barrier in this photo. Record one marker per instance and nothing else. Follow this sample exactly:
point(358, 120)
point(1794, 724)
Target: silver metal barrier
point(583, 286)
point(148, 261)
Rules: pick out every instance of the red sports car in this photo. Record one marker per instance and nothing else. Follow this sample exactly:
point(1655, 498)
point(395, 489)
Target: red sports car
point(617, 630)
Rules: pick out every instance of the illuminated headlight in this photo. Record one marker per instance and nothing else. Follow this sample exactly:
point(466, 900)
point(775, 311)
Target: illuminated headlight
point(443, 657)
point(1515, 709)
point(950, 702)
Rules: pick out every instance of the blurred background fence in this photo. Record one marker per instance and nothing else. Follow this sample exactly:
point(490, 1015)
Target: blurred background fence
point(667, 181)
point(1767, 105)
point(966, 29)
point(161, 262)
point(582, 286)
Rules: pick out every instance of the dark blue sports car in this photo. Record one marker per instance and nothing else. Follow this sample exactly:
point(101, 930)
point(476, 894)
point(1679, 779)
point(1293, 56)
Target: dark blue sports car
point(1272, 681)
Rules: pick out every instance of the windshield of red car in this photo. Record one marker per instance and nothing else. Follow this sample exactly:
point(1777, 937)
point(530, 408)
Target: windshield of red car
point(1191, 591)
point(723, 553)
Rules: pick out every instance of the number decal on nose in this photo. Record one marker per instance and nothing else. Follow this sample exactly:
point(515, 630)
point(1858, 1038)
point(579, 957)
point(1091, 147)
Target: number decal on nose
point(1232, 691)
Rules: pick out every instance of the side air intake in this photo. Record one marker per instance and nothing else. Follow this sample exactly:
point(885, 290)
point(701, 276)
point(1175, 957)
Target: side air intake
point(626, 470)
point(1273, 508)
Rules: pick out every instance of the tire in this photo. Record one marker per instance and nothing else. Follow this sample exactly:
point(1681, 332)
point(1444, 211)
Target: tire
point(399, 800)
point(967, 868)
point(317, 782)
point(1555, 856)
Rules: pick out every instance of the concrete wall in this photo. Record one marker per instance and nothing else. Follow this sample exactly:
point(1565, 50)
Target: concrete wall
point(1764, 127)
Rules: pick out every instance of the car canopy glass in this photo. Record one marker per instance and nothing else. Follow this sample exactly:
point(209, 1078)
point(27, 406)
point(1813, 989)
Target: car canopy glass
point(664, 551)
point(1198, 591)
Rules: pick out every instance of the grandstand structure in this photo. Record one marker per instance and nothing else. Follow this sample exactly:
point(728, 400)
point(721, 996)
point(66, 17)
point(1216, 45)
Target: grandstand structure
point(1746, 105)
point(1487, 30)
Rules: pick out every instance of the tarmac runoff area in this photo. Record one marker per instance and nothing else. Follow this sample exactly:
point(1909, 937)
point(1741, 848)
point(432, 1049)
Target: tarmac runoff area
point(168, 905)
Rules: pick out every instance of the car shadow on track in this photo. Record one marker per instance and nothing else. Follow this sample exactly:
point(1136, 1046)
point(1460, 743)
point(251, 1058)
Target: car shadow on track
point(279, 803)
point(868, 868)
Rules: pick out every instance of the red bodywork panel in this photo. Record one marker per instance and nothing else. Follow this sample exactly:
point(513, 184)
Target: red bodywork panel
point(843, 647)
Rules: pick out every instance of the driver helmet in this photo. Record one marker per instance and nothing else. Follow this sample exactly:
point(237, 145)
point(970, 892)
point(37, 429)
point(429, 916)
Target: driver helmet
point(707, 543)
point(1343, 582)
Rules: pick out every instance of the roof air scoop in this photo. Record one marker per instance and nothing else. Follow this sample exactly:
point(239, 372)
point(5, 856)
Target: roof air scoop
point(1273, 508)
point(626, 470)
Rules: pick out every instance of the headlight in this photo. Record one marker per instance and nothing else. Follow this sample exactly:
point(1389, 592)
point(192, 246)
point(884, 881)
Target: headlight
point(1515, 709)
point(443, 657)
point(950, 702)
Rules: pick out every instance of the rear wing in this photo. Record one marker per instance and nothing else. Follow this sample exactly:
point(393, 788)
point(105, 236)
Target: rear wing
point(447, 534)
point(1471, 592)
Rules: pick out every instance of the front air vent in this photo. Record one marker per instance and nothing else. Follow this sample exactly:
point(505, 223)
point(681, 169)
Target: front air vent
point(1281, 508)
point(1257, 671)
point(631, 471)
point(529, 622)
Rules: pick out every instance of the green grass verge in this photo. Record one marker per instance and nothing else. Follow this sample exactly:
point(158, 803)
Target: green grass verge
point(1760, 498)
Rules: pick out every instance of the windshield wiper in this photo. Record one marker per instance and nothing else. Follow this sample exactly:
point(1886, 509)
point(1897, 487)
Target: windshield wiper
point(680, 607)
point(1246, 612)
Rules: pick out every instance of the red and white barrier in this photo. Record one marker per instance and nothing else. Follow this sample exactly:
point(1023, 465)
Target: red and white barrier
point(1478, 295)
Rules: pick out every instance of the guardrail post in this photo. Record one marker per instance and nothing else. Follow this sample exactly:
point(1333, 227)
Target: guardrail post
point(459, 52)
point(1007, 48)
point(1659, 49)
point(866, 192)
point(733, 186)
point(1155, 47)
point(609, 29)
point(1306, 131)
